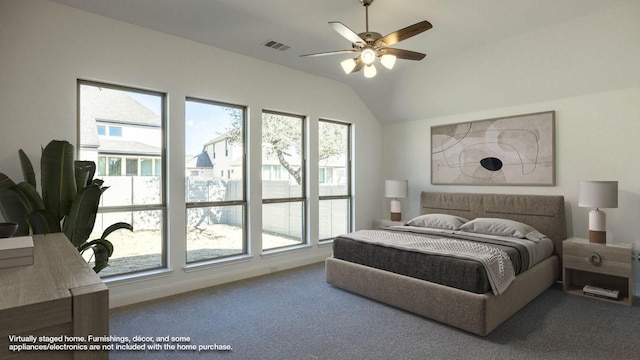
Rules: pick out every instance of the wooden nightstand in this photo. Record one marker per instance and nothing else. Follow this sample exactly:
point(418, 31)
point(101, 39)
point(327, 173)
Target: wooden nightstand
point(608, 266)
point(380, 223)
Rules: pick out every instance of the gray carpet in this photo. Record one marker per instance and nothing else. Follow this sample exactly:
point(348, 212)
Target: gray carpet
point(295, 314)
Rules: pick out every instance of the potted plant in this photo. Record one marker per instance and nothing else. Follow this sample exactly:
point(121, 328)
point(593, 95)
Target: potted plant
point(69, 201)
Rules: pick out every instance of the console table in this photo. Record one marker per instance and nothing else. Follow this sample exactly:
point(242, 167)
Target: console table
point(58, 295)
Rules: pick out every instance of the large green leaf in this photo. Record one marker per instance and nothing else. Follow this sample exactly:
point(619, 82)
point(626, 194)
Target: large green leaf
point(78, 224)
point(27, 168)
point(17, 202)
point(5, 182)
point(114, 227)
point(101, 258)
point(15, 208)
point(84, 171)
point(58, 179)
point(43, 222)
point(30, 193)
point(102, 250)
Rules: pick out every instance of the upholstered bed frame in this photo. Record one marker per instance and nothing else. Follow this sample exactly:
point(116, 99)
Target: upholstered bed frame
point(476, 313)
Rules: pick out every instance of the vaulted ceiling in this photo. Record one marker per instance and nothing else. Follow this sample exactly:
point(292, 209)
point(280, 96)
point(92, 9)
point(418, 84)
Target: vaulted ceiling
point(244, 26)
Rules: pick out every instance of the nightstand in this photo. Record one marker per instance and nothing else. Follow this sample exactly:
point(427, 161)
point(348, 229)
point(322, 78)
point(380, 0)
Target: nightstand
point(608, 266)
point(380, 223)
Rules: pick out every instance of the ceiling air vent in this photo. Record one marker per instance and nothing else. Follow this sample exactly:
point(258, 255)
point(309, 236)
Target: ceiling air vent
point(276, 45)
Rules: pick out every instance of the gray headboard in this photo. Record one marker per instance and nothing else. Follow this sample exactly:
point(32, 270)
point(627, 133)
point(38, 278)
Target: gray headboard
point(543, 212)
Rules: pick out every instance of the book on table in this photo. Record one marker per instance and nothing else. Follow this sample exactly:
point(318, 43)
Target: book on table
point(16, 251)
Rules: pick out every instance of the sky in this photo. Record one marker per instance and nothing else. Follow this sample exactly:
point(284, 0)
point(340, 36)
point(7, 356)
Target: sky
point(204, 121)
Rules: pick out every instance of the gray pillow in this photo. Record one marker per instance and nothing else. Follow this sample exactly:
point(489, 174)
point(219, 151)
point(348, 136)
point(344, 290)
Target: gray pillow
point(502, 227)
point(438, 221)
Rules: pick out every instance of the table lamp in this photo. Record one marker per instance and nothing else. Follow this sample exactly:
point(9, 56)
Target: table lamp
point(396, 189)
point(597, 195)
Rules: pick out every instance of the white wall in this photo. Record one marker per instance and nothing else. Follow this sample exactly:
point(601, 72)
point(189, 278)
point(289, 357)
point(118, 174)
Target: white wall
point(583, 56)
point(46, 47)
point(586, 70)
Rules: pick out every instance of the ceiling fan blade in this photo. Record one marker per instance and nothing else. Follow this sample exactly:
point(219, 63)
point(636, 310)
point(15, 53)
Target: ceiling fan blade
point(404, 34)
point(404, 54)
point(337, 52)
point(359, 65)
point(347, 33)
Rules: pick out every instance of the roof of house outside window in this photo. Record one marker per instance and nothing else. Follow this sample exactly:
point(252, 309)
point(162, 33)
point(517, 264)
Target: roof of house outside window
point(109, 105)
point(127, 147)
point(203, 160)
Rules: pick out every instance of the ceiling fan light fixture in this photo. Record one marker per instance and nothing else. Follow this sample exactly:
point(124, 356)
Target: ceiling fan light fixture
point(388, 61)
point(372, 46)
point(368, 56)
point(348, 65)
point(370, 71)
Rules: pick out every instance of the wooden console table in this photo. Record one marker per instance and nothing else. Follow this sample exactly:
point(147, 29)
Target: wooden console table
point(58, 295)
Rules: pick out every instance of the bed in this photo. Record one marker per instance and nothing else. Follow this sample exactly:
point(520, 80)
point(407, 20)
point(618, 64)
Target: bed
point(476, 311)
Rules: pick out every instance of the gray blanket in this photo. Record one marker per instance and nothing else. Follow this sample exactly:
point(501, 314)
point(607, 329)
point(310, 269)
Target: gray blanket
point(449, 270)
point(495, 261)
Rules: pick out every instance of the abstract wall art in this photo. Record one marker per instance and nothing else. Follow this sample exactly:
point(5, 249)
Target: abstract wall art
point(512, 150)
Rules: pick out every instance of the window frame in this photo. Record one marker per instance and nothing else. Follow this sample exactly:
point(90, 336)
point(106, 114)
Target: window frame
point(348, 171)
point(303, 182)
point(162, 205)
point(243, 202)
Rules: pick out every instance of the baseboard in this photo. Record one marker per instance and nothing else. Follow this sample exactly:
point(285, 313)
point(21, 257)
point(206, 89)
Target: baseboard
point(118, 297)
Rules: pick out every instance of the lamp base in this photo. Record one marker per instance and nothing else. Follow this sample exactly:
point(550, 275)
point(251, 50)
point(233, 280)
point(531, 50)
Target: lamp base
point(598, 237)
point(396, 210)
point(597, 226)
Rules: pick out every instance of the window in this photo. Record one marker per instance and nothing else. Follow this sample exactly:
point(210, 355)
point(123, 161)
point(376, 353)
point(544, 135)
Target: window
point(283, 183)
point(102, 166)
point(115, 131)
point(334, 178)
point(132, 167)
point(146, 167)
point(215, 200)
point(132, 198)
point(115, 166)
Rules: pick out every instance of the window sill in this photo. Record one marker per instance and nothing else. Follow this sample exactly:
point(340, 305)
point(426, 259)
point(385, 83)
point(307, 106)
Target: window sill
point(137, 277)
point(327, 242)
point(284, 250)
point(208, 264)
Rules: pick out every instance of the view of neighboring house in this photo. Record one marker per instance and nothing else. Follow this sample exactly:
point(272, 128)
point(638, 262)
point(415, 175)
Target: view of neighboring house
point(218, 160)
point(121, 130)
point(199, 165)
point(121, 135)
point(221, 159)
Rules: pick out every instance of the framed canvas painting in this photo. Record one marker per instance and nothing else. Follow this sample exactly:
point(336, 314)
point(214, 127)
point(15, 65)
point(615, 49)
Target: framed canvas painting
point(512, 150)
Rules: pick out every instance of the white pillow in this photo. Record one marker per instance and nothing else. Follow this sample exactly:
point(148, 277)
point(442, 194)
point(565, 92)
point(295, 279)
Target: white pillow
point(502, 227)
point(535, 236)
point(438, 221)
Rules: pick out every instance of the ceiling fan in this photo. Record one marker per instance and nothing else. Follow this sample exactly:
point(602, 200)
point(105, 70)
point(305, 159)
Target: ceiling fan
point(371, 45)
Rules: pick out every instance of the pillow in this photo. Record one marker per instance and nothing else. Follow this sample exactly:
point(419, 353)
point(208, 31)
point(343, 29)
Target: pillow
point(438, 221)
point(502, 227)
point(535, 236)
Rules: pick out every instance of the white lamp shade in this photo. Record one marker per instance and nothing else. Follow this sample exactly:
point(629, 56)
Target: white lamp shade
point(388, 61)
point(348, 65)
point(396, 188)
point(598, 194)
point(370, 71)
